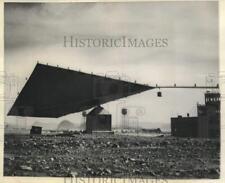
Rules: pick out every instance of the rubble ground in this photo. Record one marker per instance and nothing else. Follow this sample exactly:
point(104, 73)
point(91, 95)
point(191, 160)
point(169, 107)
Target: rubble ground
point(84, 155)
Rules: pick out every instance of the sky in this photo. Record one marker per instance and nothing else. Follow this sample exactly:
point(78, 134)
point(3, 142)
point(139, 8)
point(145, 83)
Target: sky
point(35, 32)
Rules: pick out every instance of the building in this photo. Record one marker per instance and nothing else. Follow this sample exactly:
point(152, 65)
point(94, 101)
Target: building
point(209, 116)
point(98, 120)
point(184, 126)
point(205, 125)
point(36, 130)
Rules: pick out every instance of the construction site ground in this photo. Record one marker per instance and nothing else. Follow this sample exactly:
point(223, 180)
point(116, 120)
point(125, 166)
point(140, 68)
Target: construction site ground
point(119, 156)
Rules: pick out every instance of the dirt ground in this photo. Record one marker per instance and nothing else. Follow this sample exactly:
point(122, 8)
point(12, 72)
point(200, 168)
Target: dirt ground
point(111, 156)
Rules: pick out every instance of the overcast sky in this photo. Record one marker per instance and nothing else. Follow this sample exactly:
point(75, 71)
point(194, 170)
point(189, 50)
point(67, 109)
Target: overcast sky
point(36, 32)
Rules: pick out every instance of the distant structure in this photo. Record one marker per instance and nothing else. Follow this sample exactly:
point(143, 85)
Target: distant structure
point(125, 124)
point(205, 125)
point(184, 126)
point(209, 116)
point(66, 126)
point(36, 130)
point(98, 120)
point(157, 130)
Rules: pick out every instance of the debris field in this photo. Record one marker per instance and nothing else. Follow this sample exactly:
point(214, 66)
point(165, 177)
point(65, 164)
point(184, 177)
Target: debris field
point(119, 156)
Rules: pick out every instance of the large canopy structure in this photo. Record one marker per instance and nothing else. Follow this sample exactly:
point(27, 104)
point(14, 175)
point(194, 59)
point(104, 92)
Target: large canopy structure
point(54, 92)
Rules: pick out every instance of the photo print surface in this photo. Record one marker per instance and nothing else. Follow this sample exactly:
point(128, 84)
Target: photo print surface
point(119, 90)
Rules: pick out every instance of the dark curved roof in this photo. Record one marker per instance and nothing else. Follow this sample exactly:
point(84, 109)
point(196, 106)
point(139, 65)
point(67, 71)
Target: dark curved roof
point(66, 125)
point(54, 92)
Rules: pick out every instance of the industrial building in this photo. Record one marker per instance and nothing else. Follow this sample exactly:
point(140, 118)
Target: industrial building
point(98, 120)
point(53, 92)
point(184, 126)
point(209, 116)
point(205, 125)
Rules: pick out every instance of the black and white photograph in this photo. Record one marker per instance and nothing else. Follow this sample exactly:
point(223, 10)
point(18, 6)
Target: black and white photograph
point(112, 90)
